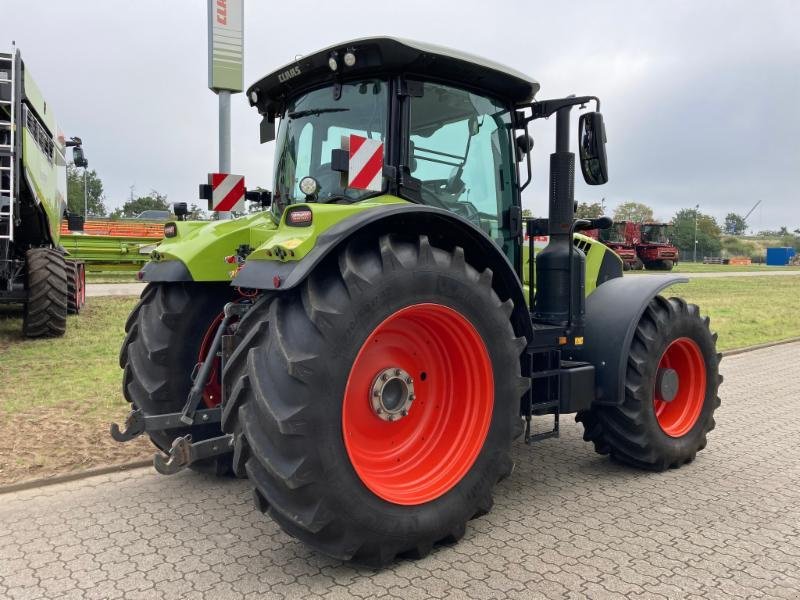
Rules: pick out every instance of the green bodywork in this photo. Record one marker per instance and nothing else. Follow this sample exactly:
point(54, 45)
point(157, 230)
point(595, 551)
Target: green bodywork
point(45, 174)
point(202, 247)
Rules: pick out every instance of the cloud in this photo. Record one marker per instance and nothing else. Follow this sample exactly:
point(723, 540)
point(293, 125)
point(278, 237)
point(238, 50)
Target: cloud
point(698, 97)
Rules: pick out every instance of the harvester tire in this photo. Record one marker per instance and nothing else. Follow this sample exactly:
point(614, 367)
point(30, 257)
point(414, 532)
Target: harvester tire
point(646, 431)
point(299, 400)
point(46, 308)
point(164, 334)
point(76, 286)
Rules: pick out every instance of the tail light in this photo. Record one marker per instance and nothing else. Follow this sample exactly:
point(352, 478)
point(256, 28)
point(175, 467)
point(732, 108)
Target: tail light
point(299, 217)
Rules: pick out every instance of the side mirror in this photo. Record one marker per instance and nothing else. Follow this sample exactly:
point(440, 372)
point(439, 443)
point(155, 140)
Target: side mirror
point(75, 222)
point(592, 143)
point(263, 197)
point(267, 129)
point(524, 145)
point(181, 210)
point(78, 158)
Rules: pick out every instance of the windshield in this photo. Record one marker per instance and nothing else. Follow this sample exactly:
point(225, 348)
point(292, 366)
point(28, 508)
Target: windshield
point(314, 125)
point(655, 234)
point(615, 233)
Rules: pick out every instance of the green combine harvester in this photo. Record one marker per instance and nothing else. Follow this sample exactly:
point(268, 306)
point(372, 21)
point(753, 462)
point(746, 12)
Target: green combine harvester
point(35, 270)
point(366, 351)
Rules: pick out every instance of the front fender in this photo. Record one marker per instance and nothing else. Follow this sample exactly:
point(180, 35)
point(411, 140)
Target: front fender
point(612, 314)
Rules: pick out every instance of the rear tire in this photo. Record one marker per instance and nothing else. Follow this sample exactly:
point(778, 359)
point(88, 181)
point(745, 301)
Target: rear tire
point(640, 432)
point(290, 397)
point(45, 312)
point(76, 286)
point(164, 334)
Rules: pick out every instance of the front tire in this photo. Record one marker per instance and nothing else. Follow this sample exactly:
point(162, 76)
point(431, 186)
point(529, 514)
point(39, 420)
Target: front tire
point(652, 429)
point(326, 463)
point(46, 308)
point(165, 335)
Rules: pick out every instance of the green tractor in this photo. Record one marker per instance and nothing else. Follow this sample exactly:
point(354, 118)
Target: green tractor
point(366, 351)
point(35, 270)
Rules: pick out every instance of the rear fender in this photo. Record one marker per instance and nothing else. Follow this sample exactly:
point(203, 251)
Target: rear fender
point(612, 314)
point(198, 251)
point(444, 229)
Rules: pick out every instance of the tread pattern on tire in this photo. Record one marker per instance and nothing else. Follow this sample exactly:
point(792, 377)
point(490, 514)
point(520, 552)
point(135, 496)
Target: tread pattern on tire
point(73, 272)
point(150, 377)
point(274, 427)
point(623, 431)
point(46, 309)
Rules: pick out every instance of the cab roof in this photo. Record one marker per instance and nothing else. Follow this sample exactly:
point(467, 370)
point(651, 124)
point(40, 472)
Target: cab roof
point(390, 56)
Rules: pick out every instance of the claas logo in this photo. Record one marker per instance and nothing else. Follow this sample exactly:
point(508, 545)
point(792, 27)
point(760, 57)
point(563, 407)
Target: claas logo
point(222, 12)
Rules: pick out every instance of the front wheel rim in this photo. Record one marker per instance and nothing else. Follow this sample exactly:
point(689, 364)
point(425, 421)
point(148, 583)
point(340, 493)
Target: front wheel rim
point(423, 454)
point(678, 416)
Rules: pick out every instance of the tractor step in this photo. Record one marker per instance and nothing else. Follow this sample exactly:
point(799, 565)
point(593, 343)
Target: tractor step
point(138, 423)
point(184, 452)
point(544, 395)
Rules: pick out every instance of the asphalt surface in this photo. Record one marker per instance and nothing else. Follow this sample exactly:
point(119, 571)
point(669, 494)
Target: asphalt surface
point(566, 524)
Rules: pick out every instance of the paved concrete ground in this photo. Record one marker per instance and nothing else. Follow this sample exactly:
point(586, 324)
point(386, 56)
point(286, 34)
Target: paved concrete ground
point(567, 524)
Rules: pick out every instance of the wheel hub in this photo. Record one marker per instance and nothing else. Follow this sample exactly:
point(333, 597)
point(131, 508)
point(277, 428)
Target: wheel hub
point(666, 384)
point(392, 394)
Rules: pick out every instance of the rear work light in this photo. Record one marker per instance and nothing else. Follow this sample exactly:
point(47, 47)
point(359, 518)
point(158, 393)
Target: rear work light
point(170, 230)
point(299, 217)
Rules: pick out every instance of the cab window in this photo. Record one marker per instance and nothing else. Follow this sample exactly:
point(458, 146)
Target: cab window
point(460, 151)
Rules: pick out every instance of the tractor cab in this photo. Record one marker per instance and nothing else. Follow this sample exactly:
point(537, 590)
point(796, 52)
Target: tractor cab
point(386, 116)
point(425, 124)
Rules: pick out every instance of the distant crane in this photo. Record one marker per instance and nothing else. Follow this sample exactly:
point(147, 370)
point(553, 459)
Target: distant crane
point(751, 210)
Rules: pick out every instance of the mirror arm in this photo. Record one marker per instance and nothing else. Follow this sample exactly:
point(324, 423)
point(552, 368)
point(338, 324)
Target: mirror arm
point(528, 167)
point(546, 108)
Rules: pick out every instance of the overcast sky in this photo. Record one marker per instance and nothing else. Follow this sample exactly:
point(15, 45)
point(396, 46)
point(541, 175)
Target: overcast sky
point(699, 97)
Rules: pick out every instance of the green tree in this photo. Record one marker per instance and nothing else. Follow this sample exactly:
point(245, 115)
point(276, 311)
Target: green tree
point(95, 199)
point(196, 213)
point(589, 211)
point(527, 213)
point(708, 234)
point(633, 211)
point(735, 224)
point(153, 201)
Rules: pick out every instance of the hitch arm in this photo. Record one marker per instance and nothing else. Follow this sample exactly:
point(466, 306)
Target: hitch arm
point(183, 452)
point(137, 423)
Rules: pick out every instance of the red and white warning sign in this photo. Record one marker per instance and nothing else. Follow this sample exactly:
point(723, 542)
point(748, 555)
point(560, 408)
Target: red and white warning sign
point(227, 191)
point(365, 169)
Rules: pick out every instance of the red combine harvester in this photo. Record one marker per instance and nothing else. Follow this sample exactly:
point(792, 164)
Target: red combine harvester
point(654, 249)
point(622, 238)
point(640, 245)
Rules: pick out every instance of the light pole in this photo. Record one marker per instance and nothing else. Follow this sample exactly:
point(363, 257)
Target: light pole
point(696, 210)
point(85, 196)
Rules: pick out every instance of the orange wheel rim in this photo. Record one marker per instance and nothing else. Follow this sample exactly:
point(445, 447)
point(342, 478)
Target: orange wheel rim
point(677, 416)
point(418, 404)
point(212, 392)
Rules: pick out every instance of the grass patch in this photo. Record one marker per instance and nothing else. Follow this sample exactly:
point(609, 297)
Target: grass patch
point(746, 310)
point(111, 277)
point(78, 369)
point(687, 267)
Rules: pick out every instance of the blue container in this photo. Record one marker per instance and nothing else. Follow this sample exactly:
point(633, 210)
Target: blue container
point(779, 257)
